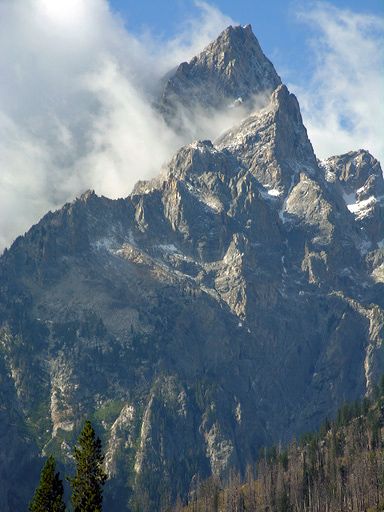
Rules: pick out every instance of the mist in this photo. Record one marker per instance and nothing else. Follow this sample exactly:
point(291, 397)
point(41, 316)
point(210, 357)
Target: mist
point(76, 103)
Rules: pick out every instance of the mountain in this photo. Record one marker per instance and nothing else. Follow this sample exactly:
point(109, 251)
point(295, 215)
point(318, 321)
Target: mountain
point(232, 302)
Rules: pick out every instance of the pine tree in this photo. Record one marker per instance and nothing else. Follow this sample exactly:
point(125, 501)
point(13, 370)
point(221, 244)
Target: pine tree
point(48, 496)
point(87, 484)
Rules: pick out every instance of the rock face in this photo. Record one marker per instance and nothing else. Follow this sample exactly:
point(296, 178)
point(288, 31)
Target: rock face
point(273, 143)
point(359, 177)
point(234, 301)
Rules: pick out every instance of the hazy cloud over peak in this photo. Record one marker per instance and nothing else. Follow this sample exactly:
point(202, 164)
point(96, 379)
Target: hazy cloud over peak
point(343, 104)
point(75, 103)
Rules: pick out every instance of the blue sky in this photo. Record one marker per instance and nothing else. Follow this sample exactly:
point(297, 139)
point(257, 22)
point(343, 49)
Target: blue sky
point(282, 35)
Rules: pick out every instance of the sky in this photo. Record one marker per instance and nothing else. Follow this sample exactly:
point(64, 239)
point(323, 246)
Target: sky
point(78, 80)
point(275, 22)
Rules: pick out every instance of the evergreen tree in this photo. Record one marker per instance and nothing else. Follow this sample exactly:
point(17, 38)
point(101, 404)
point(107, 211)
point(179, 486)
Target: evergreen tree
point(283, 503)
point(87, 484)
point(48, 496)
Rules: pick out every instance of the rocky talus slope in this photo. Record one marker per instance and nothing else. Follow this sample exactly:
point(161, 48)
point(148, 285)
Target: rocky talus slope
point(233, 301)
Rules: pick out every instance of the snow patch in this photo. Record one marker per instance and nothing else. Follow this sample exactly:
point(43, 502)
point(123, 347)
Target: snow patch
point(362, 208)
point(361, 189)
point(274, 192)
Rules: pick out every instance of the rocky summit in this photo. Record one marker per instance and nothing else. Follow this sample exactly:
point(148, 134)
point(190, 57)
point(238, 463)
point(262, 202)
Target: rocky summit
point(231, 71)
point(232, 302)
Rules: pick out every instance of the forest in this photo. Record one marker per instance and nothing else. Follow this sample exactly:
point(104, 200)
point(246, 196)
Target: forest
point(340, 468)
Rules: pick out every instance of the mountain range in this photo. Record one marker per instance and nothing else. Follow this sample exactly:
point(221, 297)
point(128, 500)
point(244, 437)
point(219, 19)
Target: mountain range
point(233, 301)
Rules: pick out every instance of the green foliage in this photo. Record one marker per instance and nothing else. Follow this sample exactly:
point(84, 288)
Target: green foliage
point(283, 458)
point(346, 413)
point(366, 404)
point(87, 484)
point(283, 502)
point(374, 426)
point(309, 438)
point(38, 425)
point(340, 467)
point(271, 453)
point(108, 412)
point(48, 496)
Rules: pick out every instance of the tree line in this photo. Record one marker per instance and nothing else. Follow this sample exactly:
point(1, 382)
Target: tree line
point(340, 468)
point(86, 484)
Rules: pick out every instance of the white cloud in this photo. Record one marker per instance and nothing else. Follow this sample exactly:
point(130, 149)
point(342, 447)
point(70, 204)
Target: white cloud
point(343, 103)
point(75, 103)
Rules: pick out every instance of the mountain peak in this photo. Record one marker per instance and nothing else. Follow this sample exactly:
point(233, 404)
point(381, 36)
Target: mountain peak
point(359, 178)
point(234, 33)
point(273, 142)
point(357, 172)
point(85, 196)
point(231, 67)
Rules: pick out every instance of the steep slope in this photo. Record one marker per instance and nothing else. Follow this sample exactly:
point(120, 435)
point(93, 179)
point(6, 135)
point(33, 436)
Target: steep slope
point(227, 304)
point(273, 143)
point(358, 177)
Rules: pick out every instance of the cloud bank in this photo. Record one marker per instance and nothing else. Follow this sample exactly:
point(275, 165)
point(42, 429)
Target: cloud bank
point(76, 103)
point(343, 103)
